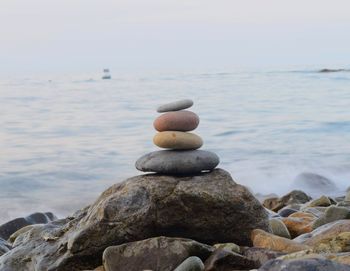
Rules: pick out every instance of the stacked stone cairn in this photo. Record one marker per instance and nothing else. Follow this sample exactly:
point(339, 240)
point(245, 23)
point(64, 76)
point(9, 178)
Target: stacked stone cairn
point(181, 155)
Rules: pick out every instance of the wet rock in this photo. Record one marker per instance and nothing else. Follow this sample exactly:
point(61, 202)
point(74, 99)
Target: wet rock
point(178, 162)
point(269, 241)
point(325, 232)
point(224, 260)
point(322, 201)
point(293, 197)
point(338, 243)
point(159, 253)
point(299, 223)
point(14, 236)
point(4, 247)
point(228, 246)
point(316, 211)
point(303, 265)
point(260, 255)
point(314, 184)
point(210, 208)
point(191, 264)
point(14, 225)
point(285, 212)
point(279, 228)
point(331, 214)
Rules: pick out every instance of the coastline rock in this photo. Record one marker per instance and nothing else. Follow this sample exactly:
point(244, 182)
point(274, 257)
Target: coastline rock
point(343, 257)
point(322, 201)
point(175, 106)
point(210, 208)
point(178, 162)
point(176, 121)
point(4, 246)
point(314, 184)
point(225, 260)
point(332, 213)
point(177, 140)
point(269, 241)
point(293, 197)
point(14, 225)
point(299, 223)
point(228, 246)
point(279, 228)
point(191, 264)
point(303, 265)
point(14, 236)
point(260, 255)
point(324, 232)
point(285, 212)
point(159, 253)
point(338, 243)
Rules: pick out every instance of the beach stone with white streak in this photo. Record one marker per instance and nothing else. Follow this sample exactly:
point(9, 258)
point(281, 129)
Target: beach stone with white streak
point(178, 162)
point(177, 140)
point(175, 106)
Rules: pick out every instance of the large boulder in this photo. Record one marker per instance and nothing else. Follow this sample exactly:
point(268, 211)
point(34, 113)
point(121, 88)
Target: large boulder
point(159, 253)
point(210, 208)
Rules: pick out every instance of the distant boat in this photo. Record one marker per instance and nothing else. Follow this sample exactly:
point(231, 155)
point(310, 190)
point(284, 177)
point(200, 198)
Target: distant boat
point(106, 74)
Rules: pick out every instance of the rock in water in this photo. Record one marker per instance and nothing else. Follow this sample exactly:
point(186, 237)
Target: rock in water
point(176, 121)
point(160, 253)
point(314, 184)
point(178, 162)
point(210, 208)
point(175, 106)
point(177, 140)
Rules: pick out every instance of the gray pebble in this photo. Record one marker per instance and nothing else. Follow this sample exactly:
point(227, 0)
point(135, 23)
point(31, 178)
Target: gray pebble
point(191, 264)
point(175, 106)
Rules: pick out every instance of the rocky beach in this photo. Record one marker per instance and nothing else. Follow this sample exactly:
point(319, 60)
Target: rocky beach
point(185, 215)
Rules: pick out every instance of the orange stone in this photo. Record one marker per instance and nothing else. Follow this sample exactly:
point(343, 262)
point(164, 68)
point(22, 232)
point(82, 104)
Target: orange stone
point(299, 223)
point(270, 241)
point(177, 140)
point(177, 121)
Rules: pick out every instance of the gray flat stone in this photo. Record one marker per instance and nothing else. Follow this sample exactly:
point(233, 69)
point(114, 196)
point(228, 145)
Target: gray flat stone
point(175, 106)
point(178, 162)
point(191, 264)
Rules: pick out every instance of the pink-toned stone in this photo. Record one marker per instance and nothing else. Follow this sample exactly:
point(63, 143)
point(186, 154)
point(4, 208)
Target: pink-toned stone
point(177, 121)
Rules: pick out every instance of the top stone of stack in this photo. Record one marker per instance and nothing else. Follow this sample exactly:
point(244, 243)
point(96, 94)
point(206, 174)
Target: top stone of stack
point(175, 106)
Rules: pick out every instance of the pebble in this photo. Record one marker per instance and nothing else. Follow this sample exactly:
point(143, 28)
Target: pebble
point(177, 140)
point(178, 162)
point(278, 228)
point(175, 106)
point(191, 264)
point(176, 121)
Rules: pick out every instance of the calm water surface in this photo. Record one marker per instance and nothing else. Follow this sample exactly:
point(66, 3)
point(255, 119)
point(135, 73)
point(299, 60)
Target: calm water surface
point(65, 139)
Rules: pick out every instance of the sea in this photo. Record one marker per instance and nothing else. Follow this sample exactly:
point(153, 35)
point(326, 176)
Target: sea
point(65, 138)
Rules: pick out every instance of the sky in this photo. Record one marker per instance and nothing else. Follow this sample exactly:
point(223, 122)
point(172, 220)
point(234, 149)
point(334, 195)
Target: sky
point(88, 35)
